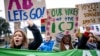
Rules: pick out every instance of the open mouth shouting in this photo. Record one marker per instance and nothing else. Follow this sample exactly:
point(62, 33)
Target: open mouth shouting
point(18, 38)
point(17, 42)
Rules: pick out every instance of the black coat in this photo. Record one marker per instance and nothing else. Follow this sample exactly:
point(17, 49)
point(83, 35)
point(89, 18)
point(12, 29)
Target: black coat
point(37, 38)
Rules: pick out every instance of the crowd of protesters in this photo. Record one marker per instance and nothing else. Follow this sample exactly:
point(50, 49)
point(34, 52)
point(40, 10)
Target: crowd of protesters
point(87, 40)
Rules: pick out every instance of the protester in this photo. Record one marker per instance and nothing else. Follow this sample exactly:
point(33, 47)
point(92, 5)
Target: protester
point(88, 40)
point(77, 38)
point(66, 43)
point(47, 44)
point(92, 41)
point(19, 39)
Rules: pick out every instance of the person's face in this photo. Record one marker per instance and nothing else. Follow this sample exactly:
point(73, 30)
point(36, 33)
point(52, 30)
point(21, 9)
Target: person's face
point(18, 38)
point(88, 28)
point(66, 40)
point(47, 38)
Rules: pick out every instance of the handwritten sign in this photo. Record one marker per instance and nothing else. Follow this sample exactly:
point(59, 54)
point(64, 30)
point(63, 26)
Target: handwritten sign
point(61, 20)
point(18, 10)
point(89, 13)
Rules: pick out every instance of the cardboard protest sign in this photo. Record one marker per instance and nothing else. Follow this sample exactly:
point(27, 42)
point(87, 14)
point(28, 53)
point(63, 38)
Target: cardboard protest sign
point(61, 20)
point(89, 13)
point(21, 10)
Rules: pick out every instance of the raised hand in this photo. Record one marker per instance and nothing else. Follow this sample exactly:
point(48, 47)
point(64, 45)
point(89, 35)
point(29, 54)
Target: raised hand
point(30, 22)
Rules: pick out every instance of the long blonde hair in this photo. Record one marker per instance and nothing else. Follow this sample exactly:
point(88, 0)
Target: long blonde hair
point(24, 42)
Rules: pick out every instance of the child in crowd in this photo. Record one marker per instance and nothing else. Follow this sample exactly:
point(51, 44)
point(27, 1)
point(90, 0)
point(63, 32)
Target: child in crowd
point(47, 44)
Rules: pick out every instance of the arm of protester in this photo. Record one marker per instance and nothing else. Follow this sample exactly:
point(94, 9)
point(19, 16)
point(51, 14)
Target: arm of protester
point(37, 36)
point(84, 39)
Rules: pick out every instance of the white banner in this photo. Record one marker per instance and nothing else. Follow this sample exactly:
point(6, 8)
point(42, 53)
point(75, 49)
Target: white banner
point(18, 10)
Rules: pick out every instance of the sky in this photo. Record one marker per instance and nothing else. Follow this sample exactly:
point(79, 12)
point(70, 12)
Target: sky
point(66, 3)
point(51, 4)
